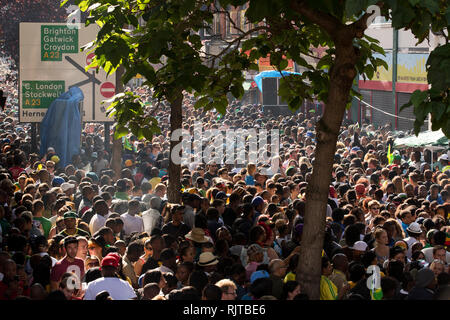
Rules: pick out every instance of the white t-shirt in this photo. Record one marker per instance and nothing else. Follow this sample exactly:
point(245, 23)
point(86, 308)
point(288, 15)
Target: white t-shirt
point(151, 219)
point(117, 288)
point(97, 222)
point(132, 224)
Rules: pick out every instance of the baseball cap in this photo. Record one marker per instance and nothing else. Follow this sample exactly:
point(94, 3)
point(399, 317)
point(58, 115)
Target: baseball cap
point(258, 275)
point(109, 261)
point(92, 175)
point(66, 186)
point(359, 246)
point(444, 157)
point(128, 163)
point(257, 201)
point(116, 256)
point(70, 215)
point(57, 181)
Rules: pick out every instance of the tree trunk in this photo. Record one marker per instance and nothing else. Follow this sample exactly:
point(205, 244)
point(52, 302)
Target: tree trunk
point(174, 187)
point(116, 159)
point(327, 131)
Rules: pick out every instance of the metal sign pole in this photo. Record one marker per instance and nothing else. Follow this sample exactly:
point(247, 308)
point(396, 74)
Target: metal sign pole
point(81, 119)
point(107, 137)
point(33, 138)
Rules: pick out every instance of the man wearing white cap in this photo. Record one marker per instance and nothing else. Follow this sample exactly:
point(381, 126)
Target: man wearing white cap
point(359, 248)
point(442, 162)
point(68, 189)
point(414, 232)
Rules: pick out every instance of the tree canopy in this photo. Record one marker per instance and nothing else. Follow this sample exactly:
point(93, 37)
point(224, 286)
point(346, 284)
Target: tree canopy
point(165, 34)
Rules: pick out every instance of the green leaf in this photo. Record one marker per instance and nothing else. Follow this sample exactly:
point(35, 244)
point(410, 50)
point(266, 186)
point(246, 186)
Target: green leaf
point(201, 102)
point(431, 5)
point(325, 62)
point(283, 64)
point(148, 134)
point(418, 97)
point(368, 70)
point(447, 15)
point(258, 9)
point(377, 48)
point(235, 90)
point(120, 131)
point(294, 104)
point(83, 5)
point(438, 109)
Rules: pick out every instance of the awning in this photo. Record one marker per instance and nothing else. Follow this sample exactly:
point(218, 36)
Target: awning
point(424, 139)
point(270, 74)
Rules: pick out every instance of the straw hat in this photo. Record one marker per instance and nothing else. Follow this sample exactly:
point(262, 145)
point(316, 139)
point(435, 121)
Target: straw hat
point(197, 235)
point(207, 259)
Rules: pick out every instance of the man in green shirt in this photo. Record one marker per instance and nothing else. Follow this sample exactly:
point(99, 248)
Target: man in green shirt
point(38, 218)
point(121, 187)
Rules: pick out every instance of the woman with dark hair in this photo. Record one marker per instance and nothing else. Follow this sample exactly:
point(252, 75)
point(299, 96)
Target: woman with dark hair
point(151, 276)
point(291, 272)
point(328, 290)
point(290, 290)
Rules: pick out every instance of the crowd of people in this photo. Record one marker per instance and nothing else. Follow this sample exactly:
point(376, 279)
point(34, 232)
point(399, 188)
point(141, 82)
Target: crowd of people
point(79, 232)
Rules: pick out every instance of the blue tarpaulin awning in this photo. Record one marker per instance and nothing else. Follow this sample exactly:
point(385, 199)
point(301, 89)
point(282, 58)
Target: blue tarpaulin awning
point(270, 74)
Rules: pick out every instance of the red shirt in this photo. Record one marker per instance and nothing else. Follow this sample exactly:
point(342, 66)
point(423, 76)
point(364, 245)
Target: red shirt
point(63, 266)
point(13, 295)
point(16, 171)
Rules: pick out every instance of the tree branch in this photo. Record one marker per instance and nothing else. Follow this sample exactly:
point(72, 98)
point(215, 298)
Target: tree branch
point(329, 23)
point(238, 41)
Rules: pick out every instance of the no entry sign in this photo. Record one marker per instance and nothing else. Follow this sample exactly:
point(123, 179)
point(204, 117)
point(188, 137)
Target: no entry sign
point(107, 89)
point(89, 58)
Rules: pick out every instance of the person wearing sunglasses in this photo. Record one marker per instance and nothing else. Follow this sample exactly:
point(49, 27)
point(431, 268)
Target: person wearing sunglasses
point(374, 210)
point(212, 171)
